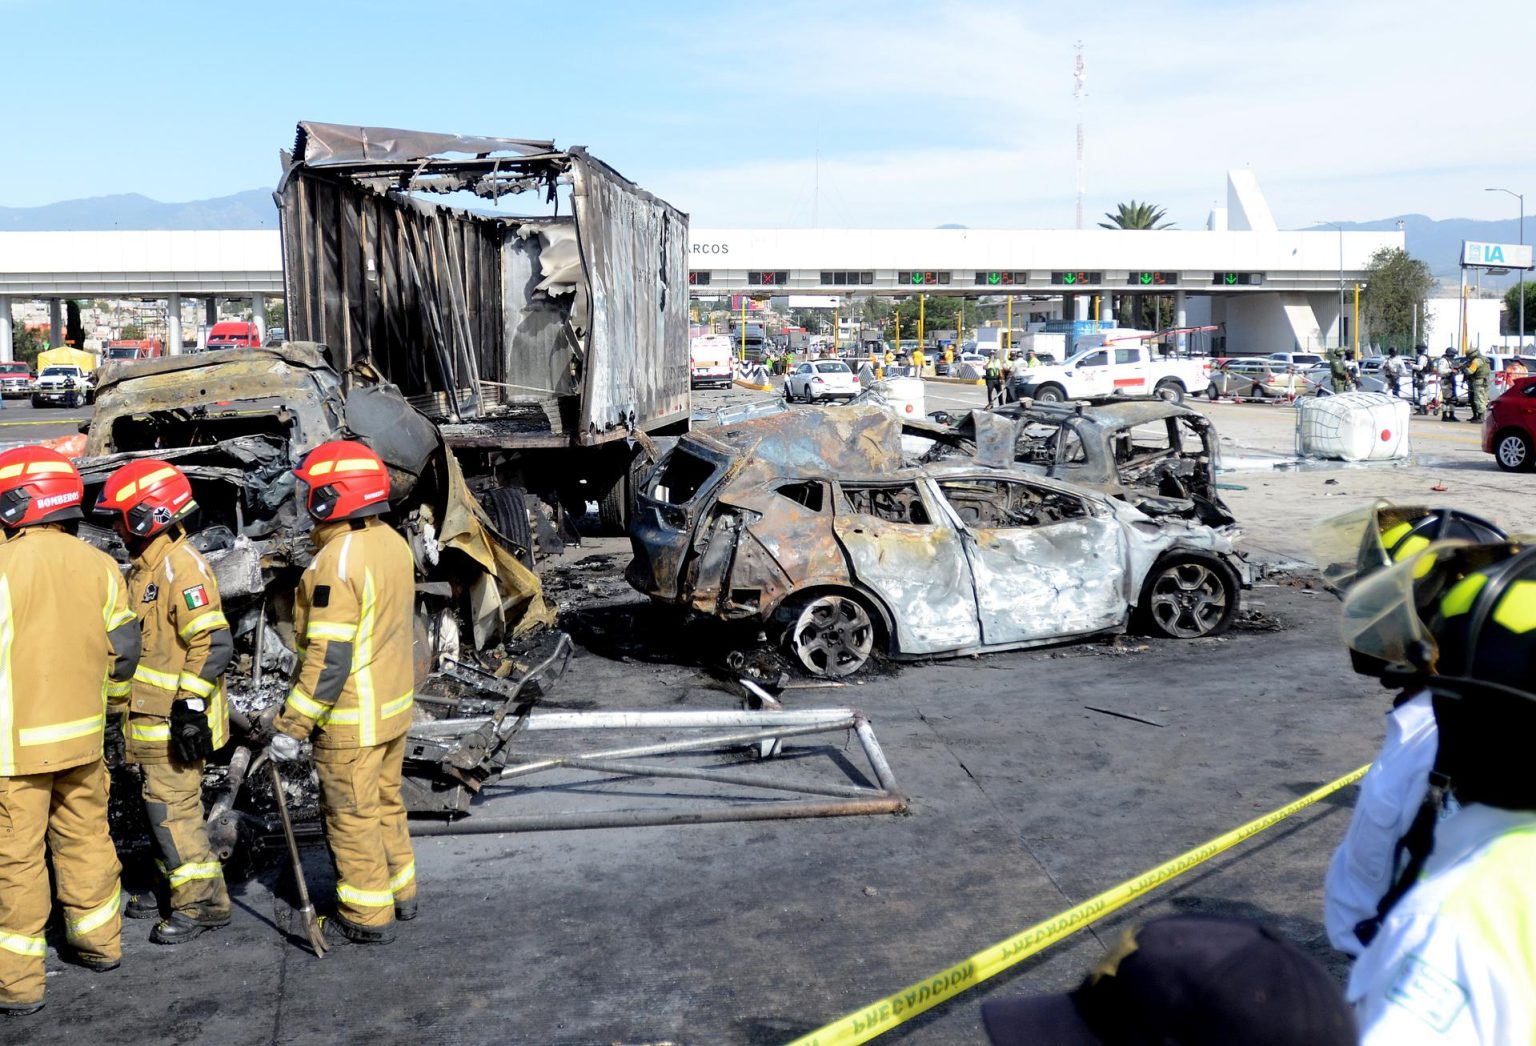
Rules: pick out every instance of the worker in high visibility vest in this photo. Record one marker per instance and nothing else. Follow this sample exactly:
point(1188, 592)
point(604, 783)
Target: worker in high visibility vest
point(1454, 959)
point(177, 713)
point(68, 644)
point(355, 687)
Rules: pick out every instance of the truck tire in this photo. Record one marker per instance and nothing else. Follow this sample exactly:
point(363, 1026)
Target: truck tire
point(1171, 389)
point(1050, 392)
point(613, 508)
point(508, 509)
point(37, 403)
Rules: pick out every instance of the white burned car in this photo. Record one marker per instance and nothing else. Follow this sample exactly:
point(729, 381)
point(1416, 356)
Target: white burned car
point(808, 523)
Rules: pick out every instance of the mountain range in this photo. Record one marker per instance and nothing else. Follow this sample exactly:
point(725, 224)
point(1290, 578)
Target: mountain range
point(1437, 241)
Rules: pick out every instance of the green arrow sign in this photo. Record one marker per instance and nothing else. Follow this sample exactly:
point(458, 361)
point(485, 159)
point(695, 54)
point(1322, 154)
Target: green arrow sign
point(1070, 277)
point(994, 278)
point(1231, 277)
point(1146, 277)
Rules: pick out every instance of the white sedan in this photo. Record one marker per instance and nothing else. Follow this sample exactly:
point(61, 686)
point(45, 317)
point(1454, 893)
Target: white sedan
point(821, 380)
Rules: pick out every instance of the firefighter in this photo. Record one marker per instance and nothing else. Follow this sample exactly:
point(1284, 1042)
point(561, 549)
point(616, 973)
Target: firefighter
point(1478, 375)
point(1453, 959)
point(354, 689)
point(177, 715)
point(68, 644)
point(1362, 879)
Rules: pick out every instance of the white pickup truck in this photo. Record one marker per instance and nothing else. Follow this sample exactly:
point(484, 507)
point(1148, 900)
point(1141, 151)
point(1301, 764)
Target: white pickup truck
point(1125, 368)
point(55, 383)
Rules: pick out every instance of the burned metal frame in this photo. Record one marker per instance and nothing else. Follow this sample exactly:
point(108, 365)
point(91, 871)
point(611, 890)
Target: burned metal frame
point(726, 729)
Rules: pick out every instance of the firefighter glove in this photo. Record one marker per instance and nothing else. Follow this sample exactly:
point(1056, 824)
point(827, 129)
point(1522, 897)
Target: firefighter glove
point(191, 735)
point(113, 747)
point(283, 749)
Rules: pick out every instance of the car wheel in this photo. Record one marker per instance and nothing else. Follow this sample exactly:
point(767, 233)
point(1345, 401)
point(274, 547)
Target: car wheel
point(1211, 393)
point(1050, 394)
point(1170, 390)
point(1512, 451)
point(832, 635)
point(1189, 596)
point(36, 403)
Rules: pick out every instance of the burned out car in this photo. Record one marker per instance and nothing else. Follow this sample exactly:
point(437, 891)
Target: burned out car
point(1154, 454)
point(809, 523)
point(238, 421)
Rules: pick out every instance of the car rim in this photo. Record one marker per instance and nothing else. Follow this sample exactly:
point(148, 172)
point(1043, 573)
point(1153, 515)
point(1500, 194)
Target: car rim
point(833, 636)
point(1188, 600)
point(1512, 451)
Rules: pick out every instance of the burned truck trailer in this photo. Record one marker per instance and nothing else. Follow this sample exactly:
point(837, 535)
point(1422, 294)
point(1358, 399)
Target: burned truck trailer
point(544, 345)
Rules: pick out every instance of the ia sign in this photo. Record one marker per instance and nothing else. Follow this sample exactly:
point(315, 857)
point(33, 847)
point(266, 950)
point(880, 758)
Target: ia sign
point(1495, 255)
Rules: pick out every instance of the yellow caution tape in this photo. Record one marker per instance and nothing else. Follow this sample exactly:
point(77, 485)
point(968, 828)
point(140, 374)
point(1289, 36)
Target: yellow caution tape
point(880, 1017)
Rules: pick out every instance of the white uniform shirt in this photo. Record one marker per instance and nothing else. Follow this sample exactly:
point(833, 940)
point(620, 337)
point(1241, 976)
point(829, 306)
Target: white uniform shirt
point(1365, 866)
point(1455, 961)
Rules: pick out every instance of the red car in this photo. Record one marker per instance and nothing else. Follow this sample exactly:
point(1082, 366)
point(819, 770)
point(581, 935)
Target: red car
point(1509, 430)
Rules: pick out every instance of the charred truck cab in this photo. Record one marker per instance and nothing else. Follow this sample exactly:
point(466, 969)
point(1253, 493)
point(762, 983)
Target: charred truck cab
point(546, 345)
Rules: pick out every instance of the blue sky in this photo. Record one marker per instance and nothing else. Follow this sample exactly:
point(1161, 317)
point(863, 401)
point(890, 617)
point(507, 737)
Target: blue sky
point(882, 114)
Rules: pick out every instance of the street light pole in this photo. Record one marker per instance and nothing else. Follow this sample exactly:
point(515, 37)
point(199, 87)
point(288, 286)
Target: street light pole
point(1339, 226)
point(1521, 197)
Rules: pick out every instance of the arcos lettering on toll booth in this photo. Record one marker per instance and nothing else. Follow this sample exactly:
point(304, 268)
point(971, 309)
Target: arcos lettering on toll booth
point(710, 248)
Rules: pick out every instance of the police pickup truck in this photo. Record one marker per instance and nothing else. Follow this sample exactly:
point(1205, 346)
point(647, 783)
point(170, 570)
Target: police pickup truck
point(1126, 368)
point(55, 384)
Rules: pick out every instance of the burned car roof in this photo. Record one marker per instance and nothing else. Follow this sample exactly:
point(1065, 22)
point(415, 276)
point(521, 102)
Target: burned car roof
point(827, 440)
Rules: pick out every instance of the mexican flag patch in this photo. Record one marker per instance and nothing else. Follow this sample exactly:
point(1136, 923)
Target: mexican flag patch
point(195, 597)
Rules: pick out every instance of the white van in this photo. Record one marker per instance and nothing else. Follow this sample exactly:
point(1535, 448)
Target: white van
point(709, 361)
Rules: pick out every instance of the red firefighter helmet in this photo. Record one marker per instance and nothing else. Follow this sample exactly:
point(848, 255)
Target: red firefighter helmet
point(346, 480)
point(148, 494)
point(38, 485)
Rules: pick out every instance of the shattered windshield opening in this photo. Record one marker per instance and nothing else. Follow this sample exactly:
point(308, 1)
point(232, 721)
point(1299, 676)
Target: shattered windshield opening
point(680, 478)
point(196, 427)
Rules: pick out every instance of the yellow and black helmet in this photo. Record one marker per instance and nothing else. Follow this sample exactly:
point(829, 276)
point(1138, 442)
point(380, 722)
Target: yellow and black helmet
point(1362, 541)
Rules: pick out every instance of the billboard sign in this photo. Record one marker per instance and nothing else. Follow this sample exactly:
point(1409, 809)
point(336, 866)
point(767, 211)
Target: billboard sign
point(1495, 255)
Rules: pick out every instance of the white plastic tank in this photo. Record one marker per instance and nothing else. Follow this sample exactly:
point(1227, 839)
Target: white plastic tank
point(1353, 426)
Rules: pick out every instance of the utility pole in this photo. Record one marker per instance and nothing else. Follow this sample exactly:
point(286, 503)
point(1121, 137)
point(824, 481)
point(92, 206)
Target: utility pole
point(1521, 292)
point(1339, 226)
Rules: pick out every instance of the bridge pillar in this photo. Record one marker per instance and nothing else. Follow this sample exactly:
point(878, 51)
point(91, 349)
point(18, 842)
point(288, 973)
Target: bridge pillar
point(7, 342)
point(1178, 317)
point(210, 317)
point(173, 325)
point(1080, 305)
point(259, 315)
point(55, 323)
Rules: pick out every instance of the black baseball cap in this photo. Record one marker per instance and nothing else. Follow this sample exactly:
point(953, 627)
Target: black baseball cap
point(1191, 980)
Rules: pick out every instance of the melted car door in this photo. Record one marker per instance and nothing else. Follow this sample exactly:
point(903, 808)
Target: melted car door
point(913, 561)
point(1045, 565)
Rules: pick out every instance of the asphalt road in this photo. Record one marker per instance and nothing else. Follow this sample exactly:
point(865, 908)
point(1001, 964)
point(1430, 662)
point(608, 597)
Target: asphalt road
point(1025, 801)
point(20, 422)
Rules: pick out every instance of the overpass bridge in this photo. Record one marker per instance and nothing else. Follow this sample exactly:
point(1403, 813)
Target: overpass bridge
point(1271, 290)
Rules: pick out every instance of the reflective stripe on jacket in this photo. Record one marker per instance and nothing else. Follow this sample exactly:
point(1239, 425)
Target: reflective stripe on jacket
point(187, 641)
point(66, 634)
point(352, 621)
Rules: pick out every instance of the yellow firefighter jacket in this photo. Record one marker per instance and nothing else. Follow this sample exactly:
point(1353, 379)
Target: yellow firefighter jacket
point(66, 635)
point(187, 641)
point(352, 620)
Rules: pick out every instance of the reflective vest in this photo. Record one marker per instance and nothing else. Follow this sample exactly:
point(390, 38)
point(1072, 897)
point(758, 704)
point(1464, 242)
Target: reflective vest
point(1455, 960)
point(66, 634)
point(352, 620)
point(187, 645)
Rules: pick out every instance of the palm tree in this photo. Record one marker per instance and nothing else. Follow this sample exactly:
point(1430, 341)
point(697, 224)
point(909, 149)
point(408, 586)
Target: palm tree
point(1135, 215)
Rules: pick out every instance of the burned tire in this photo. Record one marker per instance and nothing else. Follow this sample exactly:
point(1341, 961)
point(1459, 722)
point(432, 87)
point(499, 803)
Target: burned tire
point(832, 634)
point(1170, 390)
point(508, 509)
point(614, 507)
point(1189, 596)
point(1512, 451)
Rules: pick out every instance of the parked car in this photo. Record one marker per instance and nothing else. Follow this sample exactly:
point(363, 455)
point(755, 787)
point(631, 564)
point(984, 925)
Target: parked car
point(15, 380)
point(809, 526)
point(1299, 360)
point(233, 334)
point(1251, 377)
point(1509, 429)
point(820, 380)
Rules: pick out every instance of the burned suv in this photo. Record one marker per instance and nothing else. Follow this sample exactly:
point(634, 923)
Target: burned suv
point(810, 523)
